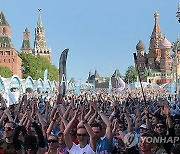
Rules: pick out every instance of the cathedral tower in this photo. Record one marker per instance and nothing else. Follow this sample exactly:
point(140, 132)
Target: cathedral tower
point(165, 61)
point(141, 59)
point(156, 38)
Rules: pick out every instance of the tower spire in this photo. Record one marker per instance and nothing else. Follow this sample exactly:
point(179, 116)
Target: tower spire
point(40, 46)
point(156, 30)
point(39, 23)
point(156, 36)
point(3, 20)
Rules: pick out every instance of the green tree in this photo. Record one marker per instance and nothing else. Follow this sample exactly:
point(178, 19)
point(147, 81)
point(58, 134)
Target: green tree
point(131, 75)
point(146, 73)
point(35, 66)
point(5, 72)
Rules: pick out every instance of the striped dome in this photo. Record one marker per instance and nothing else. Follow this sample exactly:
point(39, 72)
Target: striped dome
point(165, 44)
point(140, 46)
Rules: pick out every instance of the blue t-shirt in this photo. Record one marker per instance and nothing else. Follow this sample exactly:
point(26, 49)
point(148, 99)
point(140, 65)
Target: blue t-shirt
point(103, 146)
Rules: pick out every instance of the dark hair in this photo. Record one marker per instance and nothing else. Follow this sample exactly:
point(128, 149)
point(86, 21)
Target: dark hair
point(30, 142)
point(161, 122)
point(151, 133)
point(122, 122)
point(132, 150)
point(97, 125)
point(175, 149)
point(158, 116)
point(81, 127)
point(11, 122)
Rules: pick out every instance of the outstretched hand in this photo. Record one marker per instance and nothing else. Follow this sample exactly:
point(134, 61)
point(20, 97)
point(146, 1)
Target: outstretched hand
point(82, 114)
point(94, 105)
point(77, 113)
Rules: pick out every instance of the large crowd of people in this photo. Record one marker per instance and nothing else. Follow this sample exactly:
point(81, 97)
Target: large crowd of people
point(92, 123)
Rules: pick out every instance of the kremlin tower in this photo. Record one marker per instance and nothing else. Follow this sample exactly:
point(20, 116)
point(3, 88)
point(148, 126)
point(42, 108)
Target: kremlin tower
point(40, 46)
point(9, 55)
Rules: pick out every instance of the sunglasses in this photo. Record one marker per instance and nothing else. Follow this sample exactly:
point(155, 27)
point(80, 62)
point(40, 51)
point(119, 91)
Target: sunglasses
point(96, 132)
point(30, 149)
point(52, 141)
point(160, 126)
point(82, 135)
point(8, 128)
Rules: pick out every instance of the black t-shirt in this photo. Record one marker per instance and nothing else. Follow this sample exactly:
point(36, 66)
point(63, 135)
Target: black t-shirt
point(168, 146)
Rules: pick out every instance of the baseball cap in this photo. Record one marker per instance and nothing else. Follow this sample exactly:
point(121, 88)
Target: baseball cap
point(143, 126)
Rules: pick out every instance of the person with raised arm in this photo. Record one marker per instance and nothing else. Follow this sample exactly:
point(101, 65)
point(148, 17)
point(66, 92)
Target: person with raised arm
point(32, 144)
point(103, 143)
point(84, 132)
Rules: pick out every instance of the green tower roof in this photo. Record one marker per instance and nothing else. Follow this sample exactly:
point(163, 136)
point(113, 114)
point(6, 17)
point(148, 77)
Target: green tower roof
point(6, 40)
point(3, 20)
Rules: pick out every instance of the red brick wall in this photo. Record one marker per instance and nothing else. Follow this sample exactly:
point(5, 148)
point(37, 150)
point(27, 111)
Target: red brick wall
point(12, 61)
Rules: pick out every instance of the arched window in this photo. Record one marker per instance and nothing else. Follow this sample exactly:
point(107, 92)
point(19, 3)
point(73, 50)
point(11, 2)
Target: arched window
point(4, 30)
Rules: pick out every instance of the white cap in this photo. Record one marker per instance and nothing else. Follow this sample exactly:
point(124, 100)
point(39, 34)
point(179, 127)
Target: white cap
point(143, 126)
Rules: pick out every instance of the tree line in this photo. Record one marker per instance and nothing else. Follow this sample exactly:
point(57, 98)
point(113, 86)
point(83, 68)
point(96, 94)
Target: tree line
point(35, 66)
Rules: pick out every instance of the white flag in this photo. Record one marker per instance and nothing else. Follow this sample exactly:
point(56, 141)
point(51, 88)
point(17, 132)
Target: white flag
point(120, 84)
point(10, 98)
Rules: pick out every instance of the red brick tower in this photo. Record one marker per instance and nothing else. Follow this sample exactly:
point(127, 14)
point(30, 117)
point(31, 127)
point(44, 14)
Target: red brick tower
point(9, 56)
point(26, 45)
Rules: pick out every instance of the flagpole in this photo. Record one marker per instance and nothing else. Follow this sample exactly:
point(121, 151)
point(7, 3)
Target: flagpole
point(135, 58)
point(110, 84)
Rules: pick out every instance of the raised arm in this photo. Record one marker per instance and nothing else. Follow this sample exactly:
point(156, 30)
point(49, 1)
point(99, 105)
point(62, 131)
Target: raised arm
point(42, 122)
point(106, 121)
point(129, 122)
point(90, 132)
point(67, 135)
point(90, 111)
point(51, 125)
point(56, 105)
point(71, 106)
point(148, 124)
point(7, 112)
point(2, 119)
point(92, 119)
point(168, 117)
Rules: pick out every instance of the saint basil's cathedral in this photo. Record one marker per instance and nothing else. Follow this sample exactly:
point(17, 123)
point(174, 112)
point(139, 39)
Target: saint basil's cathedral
point(157, 65)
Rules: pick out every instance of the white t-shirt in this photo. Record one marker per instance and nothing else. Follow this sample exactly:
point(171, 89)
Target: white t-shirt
point(75, 149)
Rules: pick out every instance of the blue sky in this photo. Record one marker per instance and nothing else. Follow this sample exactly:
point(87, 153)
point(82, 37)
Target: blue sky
point(100, 34)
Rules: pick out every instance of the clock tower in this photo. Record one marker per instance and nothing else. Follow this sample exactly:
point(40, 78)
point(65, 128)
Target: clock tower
point(40, 46)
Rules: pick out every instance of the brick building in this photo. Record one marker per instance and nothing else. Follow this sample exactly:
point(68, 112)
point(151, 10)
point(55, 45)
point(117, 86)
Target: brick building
point(157, 63)
point(8, 54)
